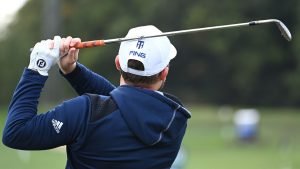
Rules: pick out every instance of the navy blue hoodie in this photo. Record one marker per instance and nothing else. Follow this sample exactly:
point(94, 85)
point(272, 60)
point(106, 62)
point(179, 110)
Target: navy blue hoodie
point(144, 131)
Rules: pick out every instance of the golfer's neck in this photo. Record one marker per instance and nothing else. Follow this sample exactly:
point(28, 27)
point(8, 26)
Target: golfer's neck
point(155, 86)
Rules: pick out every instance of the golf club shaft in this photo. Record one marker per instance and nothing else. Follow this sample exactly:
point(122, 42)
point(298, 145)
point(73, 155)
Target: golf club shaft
point(96, 43)
point(283, 29)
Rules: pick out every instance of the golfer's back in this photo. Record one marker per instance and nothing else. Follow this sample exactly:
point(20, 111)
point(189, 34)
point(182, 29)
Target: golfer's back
point(132, 128)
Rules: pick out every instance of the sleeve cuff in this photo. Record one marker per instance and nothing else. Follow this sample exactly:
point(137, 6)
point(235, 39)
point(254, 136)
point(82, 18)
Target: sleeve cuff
point(34, 75)
point(74, 73)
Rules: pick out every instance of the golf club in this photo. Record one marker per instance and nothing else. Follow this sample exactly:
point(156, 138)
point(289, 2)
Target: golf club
point(283, 29)
point(281, 26)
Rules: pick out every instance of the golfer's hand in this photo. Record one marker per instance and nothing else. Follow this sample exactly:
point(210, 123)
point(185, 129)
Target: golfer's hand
point(44, 55)
point(69, 54)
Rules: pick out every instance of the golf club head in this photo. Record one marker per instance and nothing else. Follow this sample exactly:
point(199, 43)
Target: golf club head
point(284, 30)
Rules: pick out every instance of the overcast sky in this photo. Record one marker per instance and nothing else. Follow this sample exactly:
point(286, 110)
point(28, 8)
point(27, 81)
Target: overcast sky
point(7, 10)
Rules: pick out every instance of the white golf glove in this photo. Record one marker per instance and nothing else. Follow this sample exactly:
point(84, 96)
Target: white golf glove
point(42, 58)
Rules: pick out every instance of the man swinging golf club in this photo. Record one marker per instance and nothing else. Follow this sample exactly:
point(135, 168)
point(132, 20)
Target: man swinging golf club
point(132, 126)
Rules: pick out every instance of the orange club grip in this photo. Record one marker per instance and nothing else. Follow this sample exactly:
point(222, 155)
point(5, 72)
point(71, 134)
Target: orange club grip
point(90, 44)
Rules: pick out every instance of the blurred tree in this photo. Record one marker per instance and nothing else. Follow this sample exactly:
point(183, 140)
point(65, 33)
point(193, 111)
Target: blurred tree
point(238, 66)
point(14, 48)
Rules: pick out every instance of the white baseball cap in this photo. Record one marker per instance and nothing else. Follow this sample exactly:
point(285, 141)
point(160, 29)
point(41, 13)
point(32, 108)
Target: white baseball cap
point(155, 53)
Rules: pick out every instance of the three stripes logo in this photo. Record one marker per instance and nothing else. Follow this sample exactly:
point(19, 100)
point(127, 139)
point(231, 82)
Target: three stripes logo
point(57, 125)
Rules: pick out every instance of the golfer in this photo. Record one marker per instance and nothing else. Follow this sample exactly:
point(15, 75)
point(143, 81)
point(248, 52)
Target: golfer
point(133, 126)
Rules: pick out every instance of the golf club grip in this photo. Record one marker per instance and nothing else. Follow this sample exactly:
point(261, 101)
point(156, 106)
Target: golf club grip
point(90, 44)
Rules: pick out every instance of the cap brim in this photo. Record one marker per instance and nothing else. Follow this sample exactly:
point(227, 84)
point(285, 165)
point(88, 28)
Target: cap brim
point(173, 52)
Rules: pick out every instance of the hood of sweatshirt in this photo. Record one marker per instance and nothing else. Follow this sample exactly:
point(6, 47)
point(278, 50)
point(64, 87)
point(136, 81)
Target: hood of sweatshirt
point(151, 116)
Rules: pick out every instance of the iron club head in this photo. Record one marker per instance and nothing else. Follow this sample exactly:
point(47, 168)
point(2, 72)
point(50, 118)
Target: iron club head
point(284, 30)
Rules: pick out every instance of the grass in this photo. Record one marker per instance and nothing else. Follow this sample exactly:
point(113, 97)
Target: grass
point(210, 143)
point(17, 159)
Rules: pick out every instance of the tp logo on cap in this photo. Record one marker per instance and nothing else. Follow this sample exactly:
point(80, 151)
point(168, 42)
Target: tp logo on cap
point(140, 44)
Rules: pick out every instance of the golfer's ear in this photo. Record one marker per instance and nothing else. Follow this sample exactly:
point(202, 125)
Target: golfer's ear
point(164, 73)
point(117, 62)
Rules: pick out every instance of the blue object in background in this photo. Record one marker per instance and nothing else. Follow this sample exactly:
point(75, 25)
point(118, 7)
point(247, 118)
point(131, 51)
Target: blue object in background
point(246, 124)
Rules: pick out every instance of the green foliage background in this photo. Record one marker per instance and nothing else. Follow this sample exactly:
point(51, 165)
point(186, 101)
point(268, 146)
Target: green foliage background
point(243, 66)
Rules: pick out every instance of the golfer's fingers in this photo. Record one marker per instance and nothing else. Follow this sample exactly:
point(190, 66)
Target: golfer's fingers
point(50, 43)
point(75, 41)
point(61, 47)
point(73, 55)
point(66, 43)
point(64, 46)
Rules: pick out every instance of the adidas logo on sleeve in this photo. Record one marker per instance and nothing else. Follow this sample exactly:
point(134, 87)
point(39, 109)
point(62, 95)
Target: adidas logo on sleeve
point(57, 125)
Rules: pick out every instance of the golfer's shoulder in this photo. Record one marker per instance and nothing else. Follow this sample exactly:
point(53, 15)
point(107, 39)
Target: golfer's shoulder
point(100, 106)
point(174, 98)
point(77, 104)
point(91, 102)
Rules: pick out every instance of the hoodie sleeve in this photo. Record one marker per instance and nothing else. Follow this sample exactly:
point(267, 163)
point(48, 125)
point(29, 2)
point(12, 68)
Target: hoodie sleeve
point(84, 80)
point(26, 130)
